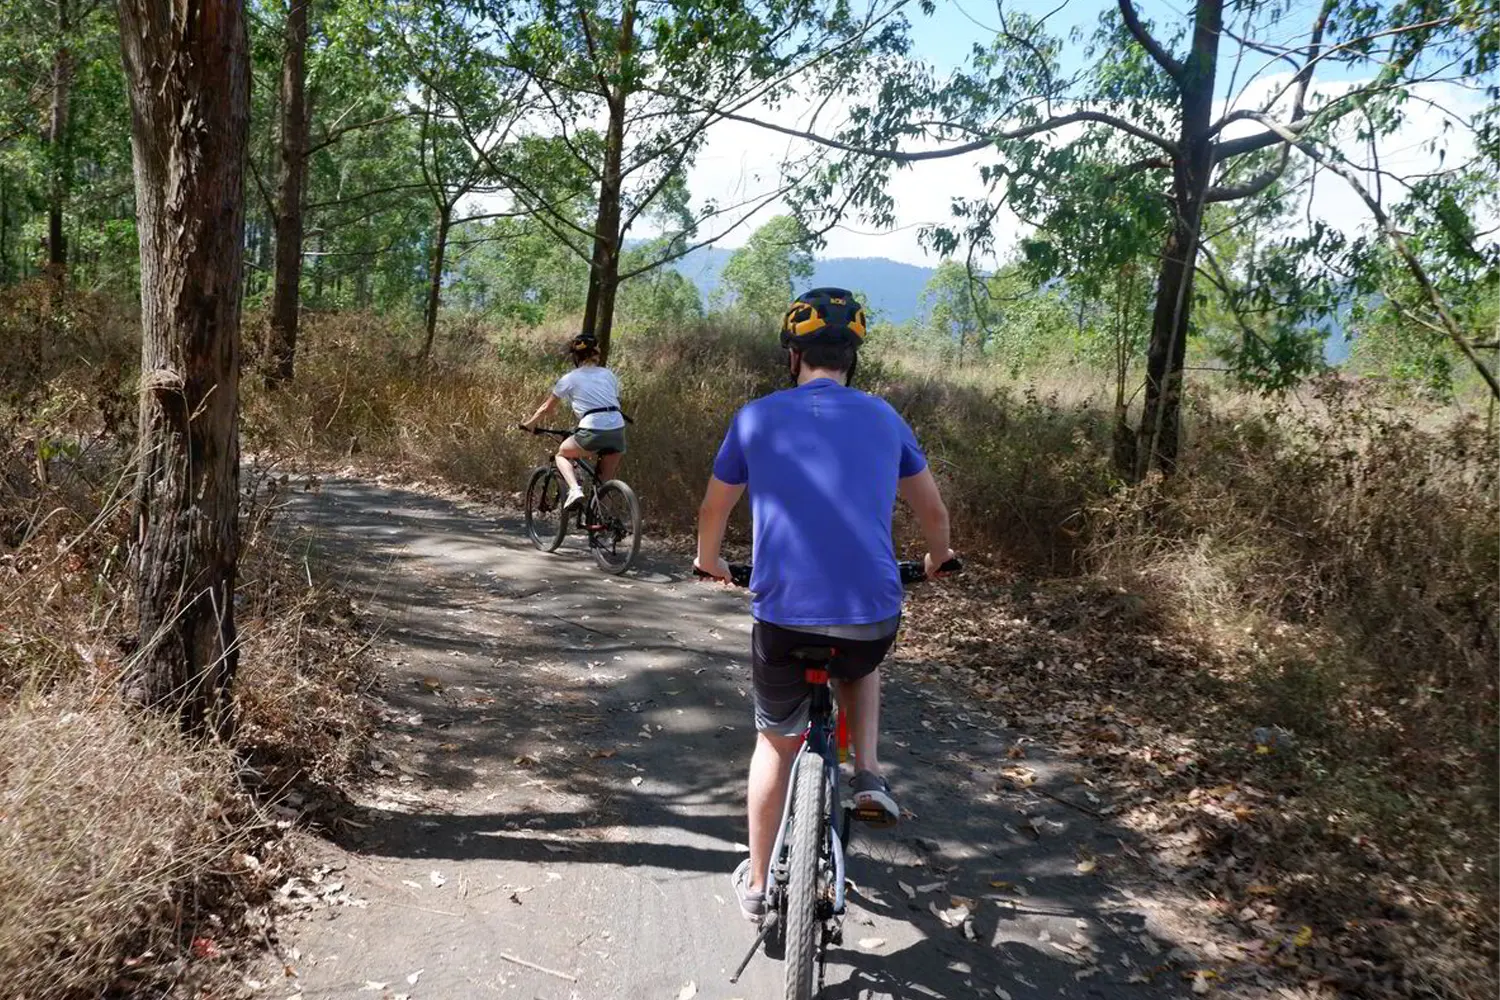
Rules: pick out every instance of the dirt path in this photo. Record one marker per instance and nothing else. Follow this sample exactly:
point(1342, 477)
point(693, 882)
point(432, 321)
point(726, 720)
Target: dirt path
point(562, 783)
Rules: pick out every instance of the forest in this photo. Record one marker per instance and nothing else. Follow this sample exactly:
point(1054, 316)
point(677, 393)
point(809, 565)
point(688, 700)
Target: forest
point(1206, 365)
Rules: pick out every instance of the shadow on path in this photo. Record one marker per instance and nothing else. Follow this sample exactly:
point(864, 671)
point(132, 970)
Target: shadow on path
point(562, 773)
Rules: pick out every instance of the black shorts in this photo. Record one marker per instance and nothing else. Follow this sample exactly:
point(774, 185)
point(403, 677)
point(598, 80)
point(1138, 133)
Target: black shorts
point(780, 682)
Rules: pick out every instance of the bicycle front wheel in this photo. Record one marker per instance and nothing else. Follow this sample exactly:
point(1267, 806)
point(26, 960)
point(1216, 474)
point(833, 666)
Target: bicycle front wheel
point(615, 528)
point(803, 885)
point(546, 521)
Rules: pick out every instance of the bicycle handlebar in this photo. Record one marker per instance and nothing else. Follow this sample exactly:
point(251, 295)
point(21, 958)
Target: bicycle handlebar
point(912, 572)
point(543, 430)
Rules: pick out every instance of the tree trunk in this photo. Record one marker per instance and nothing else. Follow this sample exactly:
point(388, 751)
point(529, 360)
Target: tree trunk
point(435, 277)
point(58, 147)
point(604, 270)
point(285, 295)
point(5, 277)
point(188, 73)
point(1159, 433)
point(1123, 451)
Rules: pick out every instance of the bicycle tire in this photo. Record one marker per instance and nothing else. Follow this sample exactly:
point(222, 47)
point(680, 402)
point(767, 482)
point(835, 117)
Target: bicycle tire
point(606, 541)
point(802, 931)
point(544, 494)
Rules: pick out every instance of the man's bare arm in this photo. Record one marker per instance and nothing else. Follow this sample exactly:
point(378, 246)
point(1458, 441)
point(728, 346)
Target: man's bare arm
point(923, 497)
point(713, 517)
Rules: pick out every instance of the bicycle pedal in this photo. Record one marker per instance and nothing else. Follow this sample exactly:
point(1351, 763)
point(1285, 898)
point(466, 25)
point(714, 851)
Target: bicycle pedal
point(873, 815)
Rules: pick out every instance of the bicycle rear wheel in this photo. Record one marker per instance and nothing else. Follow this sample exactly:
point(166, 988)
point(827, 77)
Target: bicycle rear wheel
point(546, 521)
point(615, 528)
point(803, 935)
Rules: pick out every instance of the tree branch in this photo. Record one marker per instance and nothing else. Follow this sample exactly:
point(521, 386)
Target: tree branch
point(1163, 58)
point(1148, 163)
point(1393, 235)
point(338, 133)
point(896, 156)
point(1254, 186)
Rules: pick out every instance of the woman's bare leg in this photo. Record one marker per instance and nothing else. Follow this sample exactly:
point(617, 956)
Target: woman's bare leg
point(566, 452)
point(607, 466)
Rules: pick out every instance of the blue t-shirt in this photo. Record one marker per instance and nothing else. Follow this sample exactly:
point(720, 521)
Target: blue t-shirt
point(821, 462)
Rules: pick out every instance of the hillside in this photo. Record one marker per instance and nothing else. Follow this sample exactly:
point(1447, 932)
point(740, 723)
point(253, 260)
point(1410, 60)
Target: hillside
point(891, 289)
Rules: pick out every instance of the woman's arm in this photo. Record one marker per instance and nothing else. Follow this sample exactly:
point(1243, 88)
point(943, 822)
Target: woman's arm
point(541, 411)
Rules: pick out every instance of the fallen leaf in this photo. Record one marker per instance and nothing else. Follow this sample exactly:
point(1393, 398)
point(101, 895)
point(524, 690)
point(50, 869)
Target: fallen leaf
point(953, 917)
point(910, 892)
point(1023, 776)
point(1086, 866)
point(412, 979)
point(437, 880)
point(1001, 994)
point(636, 780)
point(871, 944)
point(602, 754)
point(688, 992)
point(1202, 981)
point(1303, 938)
point(432, 684)
point(371, 986)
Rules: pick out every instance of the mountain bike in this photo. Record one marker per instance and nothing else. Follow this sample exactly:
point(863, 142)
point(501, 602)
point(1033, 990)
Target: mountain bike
point(609, 515)
point(805, 884)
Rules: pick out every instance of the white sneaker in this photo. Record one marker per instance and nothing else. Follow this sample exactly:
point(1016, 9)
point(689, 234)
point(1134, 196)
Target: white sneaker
point(575, 497)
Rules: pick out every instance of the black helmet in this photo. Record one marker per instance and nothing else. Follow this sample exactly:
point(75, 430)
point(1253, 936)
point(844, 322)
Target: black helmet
point(824, 316)
point(584, 343)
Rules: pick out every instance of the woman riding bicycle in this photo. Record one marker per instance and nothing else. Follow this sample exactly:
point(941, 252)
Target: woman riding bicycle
point(594, 393)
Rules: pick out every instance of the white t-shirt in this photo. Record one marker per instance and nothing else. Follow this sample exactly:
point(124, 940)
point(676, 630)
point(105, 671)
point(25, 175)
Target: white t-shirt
point(589, 387)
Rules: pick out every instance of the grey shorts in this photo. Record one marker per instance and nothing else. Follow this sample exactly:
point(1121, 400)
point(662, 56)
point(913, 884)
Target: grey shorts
point(780, 682)
point(594, 441)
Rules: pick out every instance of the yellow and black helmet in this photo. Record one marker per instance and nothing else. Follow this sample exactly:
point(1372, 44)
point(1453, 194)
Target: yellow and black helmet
point(824, 316)
point(583, 345)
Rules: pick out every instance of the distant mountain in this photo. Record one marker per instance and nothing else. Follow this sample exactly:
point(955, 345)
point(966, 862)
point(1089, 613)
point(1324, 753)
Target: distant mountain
point(891, 289)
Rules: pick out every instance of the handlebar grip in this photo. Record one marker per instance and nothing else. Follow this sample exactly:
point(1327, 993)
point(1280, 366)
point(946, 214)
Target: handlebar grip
point(916, 572)
point(739, 574)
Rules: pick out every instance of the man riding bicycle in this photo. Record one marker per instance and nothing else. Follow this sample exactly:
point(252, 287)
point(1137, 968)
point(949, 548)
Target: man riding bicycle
point(824, 464)
point(594, 393)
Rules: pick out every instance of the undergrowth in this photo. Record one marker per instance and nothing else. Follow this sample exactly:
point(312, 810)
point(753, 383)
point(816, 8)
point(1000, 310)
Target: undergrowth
point(134, 861)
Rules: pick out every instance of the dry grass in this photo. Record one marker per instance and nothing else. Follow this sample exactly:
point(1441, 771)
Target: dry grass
point(123, 847)
point(1325, 572)
point(117, 841)
point(1017, 463)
